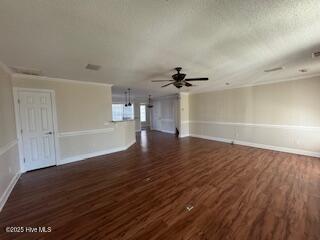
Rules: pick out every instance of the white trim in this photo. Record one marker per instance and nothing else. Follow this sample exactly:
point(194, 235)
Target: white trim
point(8, 146)
point(85, 132)
point(168, 131)
point(258, 145)
point(28, 77)
point(211, 138)
point(18, 122)
point(280, 149)
point(6, 194)
point(313, 128)
point(94, 154)
point(55, 126)
point(18, 127)
point(184, 135)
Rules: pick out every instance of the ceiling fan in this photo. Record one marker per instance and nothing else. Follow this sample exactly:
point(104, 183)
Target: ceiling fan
point(179, 79)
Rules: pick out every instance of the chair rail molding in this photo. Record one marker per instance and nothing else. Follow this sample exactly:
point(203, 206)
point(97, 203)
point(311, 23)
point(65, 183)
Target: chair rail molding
point(85, 132)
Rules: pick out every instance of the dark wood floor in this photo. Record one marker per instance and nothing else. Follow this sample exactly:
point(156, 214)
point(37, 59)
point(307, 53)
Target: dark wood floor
point(236, 192)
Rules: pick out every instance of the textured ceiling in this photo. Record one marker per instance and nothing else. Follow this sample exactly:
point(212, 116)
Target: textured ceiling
point(136, 41)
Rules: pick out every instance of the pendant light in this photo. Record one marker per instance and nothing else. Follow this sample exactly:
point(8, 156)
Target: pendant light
point(149, 102)
point(125, 94)
point(129, 103)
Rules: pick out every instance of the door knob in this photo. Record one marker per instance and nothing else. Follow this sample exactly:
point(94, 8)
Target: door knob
point(49, 133)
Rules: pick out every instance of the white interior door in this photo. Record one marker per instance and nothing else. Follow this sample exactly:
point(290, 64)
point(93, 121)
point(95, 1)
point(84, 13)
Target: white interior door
point(36, 121)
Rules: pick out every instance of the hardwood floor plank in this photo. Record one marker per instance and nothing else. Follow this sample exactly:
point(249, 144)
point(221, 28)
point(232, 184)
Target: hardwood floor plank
point(232, 191)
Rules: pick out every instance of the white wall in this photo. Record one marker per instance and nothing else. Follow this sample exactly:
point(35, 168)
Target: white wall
point(184, 114)
point(9, 156)
point(283, 116)
point(164, 114)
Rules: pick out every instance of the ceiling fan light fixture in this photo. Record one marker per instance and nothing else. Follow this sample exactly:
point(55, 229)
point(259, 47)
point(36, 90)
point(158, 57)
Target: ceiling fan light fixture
point(180, 80)
point(128, 100)
point(149, 102)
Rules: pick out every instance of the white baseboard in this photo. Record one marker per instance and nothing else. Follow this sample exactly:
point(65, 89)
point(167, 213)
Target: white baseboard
point(165, 131)
point(259, 145)
point(94, 154)
point(184, 135)
point(280, 149)
point(6, 194)
point(212, 138)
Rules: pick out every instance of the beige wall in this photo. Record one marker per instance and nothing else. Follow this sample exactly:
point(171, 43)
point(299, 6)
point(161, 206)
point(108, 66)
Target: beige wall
point(7, 119)
point(79, 106)
point(117, 137)
point(9, 157)
point(84, 114)
point(285, 114)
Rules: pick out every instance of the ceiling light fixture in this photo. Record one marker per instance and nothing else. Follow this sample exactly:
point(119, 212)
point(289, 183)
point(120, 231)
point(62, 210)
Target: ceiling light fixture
point(125, 95)
point(129, 102)
point(149, 102)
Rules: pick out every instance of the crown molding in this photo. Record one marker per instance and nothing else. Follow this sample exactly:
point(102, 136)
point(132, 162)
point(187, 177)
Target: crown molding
point(44, 78)
point(6, 68)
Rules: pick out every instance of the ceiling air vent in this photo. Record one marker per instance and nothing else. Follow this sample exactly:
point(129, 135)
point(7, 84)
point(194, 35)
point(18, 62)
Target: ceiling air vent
point(274, 69)
point(316, 54)
point(27, 71)
point(93, 67)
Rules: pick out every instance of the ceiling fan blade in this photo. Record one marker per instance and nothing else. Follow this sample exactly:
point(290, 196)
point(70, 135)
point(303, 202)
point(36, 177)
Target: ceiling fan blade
point(196, 79)
point(167, 85)
point(162, 80)
point(188, 84)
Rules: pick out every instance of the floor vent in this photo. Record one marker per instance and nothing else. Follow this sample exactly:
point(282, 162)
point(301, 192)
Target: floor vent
point(93, 67)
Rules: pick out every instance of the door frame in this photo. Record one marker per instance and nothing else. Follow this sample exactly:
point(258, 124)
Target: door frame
point(18, 122)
